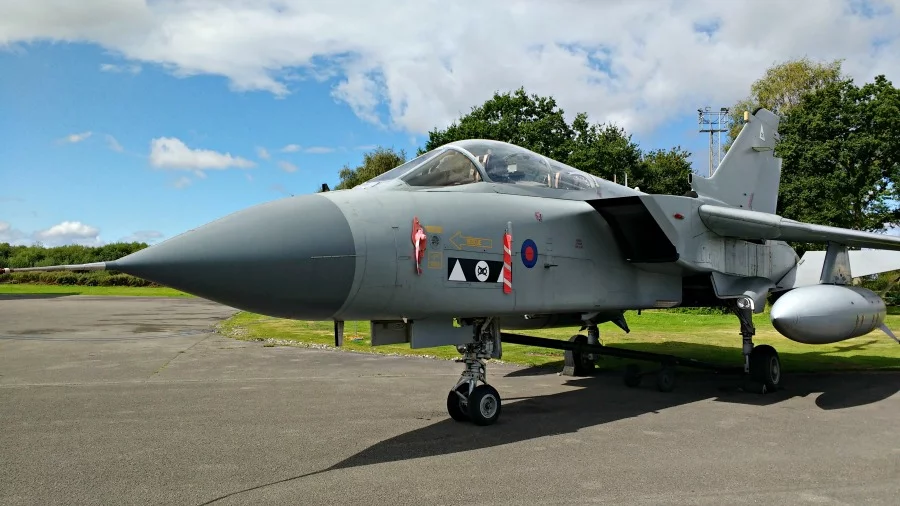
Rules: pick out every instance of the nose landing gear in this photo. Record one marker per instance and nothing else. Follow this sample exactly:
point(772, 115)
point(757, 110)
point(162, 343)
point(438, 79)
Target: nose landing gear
point(468, 400)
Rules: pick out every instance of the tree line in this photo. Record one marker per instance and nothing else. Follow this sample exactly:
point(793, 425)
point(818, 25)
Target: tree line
point(39, 256)
point(538, 123)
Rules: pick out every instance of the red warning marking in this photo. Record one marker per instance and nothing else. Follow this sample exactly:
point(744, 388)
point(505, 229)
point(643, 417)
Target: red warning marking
point(507, 262)
point(419, 241)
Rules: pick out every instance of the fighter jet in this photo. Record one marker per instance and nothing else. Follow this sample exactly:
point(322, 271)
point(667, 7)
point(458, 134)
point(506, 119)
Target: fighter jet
point(476, 238)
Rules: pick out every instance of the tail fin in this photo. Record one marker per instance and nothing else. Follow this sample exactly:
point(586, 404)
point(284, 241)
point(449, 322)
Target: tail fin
point(749, 175)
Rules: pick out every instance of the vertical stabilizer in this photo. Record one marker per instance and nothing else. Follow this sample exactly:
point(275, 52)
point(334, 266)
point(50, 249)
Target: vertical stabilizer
point(749, 175)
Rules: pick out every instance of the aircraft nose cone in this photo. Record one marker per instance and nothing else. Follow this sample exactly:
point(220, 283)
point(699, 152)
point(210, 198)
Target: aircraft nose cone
point(290, 258)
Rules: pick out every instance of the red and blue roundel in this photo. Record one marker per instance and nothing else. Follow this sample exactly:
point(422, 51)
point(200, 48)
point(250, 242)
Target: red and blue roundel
point(529, 253)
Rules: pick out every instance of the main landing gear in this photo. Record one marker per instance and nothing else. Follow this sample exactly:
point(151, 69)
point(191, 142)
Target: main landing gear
point(468, 400)
point(761, 363)
point(761, 368)
point(579, 363)
point(472, 399)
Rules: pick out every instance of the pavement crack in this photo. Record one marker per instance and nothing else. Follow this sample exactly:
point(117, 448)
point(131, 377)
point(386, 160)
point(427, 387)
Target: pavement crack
point(177, 355)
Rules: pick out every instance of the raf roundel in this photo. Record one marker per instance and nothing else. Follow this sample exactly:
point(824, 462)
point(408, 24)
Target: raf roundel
point(529, 253)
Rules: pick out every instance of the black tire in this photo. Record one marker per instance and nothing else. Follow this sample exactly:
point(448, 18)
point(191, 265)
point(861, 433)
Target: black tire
point(578, 362)
point(484, 405)
point(632, 376)
point(665, 379)
point(455, 407)
point(765, 367)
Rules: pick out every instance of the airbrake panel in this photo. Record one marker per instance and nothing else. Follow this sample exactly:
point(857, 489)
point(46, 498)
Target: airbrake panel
point(637, 232)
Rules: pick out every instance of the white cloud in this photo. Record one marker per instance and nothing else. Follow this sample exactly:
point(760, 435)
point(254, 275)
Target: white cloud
point(419, 65)
point(66, 232)
point(9, 234)
point(69, 232)
point(263, 153)
point(318, 150)
point(291, 148)
point(76, 138)
point(366, 147)
point(172, 153)
point(287, 166)
point(110, 67)
point(113, 144)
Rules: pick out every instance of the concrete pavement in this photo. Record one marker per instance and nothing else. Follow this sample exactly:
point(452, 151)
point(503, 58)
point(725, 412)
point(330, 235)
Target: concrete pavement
point(107, 400)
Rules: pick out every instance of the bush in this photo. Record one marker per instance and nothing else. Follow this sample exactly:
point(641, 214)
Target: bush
point(67, 278)
point(39, 256)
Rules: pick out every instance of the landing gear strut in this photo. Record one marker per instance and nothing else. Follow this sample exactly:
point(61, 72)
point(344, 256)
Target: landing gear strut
point(468, 400)
point(761, 363)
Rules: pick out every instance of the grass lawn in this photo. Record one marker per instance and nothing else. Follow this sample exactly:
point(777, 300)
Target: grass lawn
point(712, 338)
point(23, 289)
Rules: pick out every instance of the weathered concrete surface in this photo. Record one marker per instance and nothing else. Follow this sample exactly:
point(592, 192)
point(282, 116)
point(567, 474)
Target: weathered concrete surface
point(134, 401)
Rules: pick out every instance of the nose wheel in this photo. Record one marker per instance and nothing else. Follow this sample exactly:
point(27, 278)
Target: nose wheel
point(472, 399)
point(457, 403)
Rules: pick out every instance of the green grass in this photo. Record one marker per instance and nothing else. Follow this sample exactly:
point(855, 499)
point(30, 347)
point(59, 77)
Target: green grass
point(712, 338)
point(25, 289)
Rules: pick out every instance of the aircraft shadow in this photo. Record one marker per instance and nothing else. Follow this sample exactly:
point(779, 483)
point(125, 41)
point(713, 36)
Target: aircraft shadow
point(604, 398)
point(600, 399)
point(730, 357)
point(25, 296)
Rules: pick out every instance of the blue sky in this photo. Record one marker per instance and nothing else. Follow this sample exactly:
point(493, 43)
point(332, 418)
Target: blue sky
point(60, 91)
point(106, 180)
point(142, 120)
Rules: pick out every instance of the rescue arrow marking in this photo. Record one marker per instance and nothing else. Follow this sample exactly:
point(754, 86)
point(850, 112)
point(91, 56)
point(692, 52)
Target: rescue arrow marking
point(460, 241)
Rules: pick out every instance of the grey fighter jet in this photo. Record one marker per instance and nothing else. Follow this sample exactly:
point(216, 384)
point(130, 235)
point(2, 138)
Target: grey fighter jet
point(477, 238)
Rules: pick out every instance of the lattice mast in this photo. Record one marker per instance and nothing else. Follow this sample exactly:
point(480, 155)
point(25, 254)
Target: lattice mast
point(714, 122)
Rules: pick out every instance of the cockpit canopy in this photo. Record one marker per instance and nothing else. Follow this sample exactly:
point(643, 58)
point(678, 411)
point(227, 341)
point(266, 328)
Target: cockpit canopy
point(472, 161)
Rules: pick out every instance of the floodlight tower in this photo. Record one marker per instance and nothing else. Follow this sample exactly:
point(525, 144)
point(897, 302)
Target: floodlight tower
point(714, 122)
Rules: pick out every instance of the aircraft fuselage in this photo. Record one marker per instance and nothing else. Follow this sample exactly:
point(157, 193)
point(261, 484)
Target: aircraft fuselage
point(562, 257)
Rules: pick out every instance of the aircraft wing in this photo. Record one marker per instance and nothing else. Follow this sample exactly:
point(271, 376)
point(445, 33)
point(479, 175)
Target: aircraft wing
point(745, 224)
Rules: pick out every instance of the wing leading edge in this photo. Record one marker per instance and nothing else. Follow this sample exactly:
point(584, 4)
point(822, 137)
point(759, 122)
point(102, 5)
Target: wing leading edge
point(754, 225)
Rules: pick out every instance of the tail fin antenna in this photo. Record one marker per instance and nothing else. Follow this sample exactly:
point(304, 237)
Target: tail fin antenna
point(749, 175)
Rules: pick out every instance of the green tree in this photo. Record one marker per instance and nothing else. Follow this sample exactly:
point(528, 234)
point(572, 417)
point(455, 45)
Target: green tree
point(664, 172)
point(841, 151)
point(375, 162)
point(38, 256)
point(605, 151)
point(538, 124)
point(529, 121)
point(782, 88)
